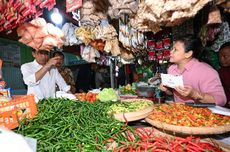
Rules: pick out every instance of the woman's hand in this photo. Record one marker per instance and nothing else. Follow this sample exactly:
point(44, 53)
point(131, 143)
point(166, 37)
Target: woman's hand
point(186, 91)
point(165, 89)
point(194, 94)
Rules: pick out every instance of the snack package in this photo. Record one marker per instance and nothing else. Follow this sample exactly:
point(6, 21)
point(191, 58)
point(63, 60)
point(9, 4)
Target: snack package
point(5, 95)
point(2, 84)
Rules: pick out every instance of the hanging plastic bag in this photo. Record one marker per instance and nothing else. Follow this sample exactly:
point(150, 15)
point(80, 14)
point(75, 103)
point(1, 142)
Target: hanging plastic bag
point(214, 16)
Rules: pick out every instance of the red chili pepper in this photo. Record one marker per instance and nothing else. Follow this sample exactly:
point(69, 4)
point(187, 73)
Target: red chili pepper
point(6, 25)
point(210, 147)
point(122, 149)
point(51, 4)
point(1, 28)
point(126, 121)
point(159, 150)
point(131, 149)
point(22, 8)
point(18, 19)
point(17, 4)
point(44, 4)
point(190, 149)
point(140, 134)
point(179, 139)
point(139, 149)
point(13, 18)
point(130, 136)
point(38, 13)
point(3, 20)
point(195, 145)
point(14, 25)
point(159, 139)
point(146, 132)
point(26, 12)
point(38, 2)
point(10, 13)
point(11, 2)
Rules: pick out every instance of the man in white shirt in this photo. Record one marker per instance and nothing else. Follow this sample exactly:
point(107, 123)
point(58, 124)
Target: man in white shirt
point(41, 76)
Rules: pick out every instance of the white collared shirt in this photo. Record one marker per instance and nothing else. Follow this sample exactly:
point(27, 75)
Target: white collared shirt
point(45, 87)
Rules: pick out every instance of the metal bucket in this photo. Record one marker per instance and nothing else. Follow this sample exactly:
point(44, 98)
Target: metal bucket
point(145, 91)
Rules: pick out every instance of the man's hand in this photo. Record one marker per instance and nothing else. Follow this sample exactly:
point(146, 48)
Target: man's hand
point(52, 62)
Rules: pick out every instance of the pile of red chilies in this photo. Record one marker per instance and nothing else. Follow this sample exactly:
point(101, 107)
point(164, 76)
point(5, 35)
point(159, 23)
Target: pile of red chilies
point(144, 140)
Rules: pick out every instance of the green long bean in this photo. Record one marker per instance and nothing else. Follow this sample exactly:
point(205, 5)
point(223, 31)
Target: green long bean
point(66, 125)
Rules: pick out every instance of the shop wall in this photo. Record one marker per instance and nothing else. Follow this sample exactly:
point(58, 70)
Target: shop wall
point(14, 55)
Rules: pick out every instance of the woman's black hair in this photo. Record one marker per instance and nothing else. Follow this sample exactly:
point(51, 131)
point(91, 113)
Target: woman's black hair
point(59, 53)
point(191, 43)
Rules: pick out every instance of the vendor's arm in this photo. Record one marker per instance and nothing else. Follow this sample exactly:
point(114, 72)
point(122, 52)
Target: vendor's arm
point(31, 77)
point(39, 74)
point(196, 95)
point(61, 82)
point(211, 90)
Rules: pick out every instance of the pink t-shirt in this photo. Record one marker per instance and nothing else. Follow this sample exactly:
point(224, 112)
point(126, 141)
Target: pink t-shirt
point(201, 77)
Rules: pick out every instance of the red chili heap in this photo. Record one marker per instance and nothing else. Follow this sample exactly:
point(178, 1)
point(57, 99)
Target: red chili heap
point(145, 140)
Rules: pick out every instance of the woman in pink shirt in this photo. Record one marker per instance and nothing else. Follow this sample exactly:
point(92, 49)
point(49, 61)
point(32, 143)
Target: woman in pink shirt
point(201, 81)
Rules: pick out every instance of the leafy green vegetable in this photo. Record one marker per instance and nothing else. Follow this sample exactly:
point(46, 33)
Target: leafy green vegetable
point(107, 94)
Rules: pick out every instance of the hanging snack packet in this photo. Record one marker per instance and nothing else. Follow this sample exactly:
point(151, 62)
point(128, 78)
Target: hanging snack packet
point(5, 95)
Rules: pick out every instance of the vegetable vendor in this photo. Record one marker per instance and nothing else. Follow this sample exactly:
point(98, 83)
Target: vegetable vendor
point(41, 76)
point(201, 81)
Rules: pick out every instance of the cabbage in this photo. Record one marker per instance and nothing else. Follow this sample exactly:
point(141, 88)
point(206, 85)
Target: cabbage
point(107, 94)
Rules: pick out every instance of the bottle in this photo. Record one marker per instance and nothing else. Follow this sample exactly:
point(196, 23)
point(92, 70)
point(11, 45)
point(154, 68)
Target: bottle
point(159, 97)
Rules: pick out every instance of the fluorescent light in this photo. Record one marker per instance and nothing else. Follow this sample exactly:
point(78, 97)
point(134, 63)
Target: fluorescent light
point(56, 17)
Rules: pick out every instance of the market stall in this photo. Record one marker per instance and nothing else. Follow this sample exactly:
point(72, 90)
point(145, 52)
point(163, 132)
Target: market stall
point(133, 36)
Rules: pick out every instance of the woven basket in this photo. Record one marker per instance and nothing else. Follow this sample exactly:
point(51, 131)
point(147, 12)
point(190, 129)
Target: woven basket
point(133, 116)
point(189, 130)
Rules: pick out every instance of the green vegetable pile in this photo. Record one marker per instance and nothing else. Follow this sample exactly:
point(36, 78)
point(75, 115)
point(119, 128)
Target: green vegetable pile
point(123, 107)
point(65, 125)
point(107, 94)
point(128, 89)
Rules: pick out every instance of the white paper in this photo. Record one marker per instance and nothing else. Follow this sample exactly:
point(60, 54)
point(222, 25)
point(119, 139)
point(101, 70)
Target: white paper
point(171, 80)
point(220, 110)
point(62, 94)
